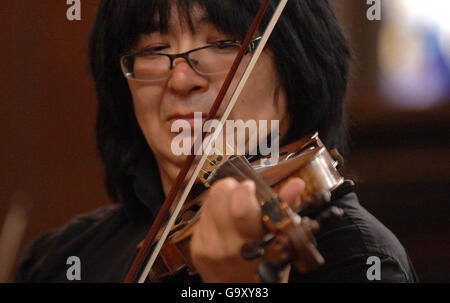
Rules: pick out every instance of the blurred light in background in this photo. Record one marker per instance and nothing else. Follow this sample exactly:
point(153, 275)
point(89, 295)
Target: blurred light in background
point(414, 53)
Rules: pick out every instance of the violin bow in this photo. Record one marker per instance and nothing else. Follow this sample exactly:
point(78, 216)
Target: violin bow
point(167, 205)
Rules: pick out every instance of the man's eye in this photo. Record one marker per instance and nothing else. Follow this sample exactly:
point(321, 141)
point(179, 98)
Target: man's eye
point(225, 43)
point(156, 49)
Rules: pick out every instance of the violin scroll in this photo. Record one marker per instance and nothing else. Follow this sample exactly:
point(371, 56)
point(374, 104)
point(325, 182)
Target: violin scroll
point(296, 244)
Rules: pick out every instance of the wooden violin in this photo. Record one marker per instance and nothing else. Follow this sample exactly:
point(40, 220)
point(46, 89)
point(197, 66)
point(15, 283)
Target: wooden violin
point(288, 237)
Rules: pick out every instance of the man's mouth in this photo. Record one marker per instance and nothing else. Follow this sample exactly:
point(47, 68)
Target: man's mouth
point(193, 118)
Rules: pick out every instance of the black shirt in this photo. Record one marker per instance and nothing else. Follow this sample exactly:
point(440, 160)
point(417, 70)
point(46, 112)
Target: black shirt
point(106, 243)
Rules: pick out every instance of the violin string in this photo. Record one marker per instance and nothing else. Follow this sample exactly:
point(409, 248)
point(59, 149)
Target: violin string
point(261, 184)
point(265, 192)
point(261, 188)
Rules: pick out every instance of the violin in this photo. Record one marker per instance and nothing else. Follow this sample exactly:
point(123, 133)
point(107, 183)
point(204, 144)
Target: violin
point(289, 238)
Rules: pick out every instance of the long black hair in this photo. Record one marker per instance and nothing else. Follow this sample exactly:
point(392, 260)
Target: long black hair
point(310, 52)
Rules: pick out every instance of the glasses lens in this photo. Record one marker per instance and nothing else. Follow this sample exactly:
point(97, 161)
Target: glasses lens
point(214, 60)
point(146, 67)
point(151, 67)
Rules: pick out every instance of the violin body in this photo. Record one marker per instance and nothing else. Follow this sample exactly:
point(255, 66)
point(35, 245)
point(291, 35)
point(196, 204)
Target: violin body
point(307, 159)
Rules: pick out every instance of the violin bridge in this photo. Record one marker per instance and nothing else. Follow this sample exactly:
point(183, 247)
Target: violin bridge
point(212, 162)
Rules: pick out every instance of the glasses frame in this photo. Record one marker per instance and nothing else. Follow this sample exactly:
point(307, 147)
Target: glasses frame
point(252, 46)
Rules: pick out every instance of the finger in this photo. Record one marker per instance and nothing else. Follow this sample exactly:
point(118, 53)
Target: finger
point(309, 226)
point(308, 257)
point(313, 225)
point(312, 258)
point(245, 211)
point(216, 207)
point(206, 243)
point(291, 191)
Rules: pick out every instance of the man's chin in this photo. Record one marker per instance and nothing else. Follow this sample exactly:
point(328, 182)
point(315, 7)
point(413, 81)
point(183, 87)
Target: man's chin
point(179, 161)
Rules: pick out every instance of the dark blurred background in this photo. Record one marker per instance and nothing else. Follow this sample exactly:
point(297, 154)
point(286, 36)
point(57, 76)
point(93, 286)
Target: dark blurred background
point(398, 104)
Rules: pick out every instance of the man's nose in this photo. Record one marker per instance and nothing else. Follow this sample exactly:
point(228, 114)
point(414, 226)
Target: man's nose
point(184, 80)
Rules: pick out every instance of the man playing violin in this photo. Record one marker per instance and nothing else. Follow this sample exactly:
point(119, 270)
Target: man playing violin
point(300, 80)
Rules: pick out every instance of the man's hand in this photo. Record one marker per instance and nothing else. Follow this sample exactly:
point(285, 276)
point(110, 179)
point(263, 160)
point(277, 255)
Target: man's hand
point(230, 217)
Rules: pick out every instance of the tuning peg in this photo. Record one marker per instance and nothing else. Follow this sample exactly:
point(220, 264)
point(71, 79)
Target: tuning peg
point(255, 248)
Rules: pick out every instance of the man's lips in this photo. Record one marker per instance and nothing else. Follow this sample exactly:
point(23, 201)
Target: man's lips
point(186, 116)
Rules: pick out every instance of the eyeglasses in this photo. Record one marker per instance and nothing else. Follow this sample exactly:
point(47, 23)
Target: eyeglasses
point(212, 59)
